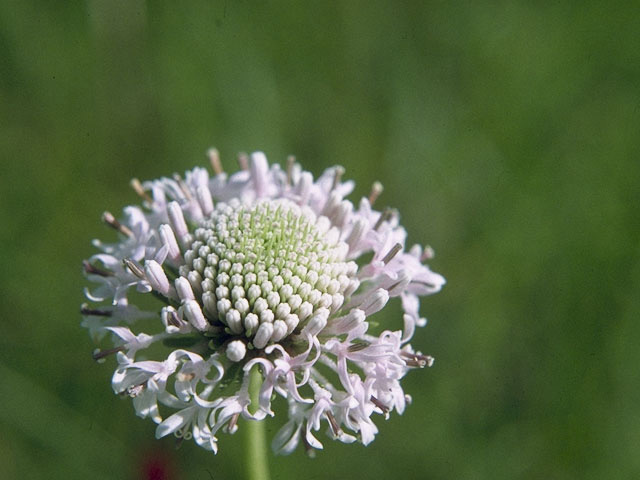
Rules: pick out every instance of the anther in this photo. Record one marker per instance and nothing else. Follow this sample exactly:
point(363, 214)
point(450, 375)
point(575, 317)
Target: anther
point(417, 360)
point(109, 219)
point(85, 310)
point(376, 190)
point(233, 423)
point(185, 377)
point(291, 161)
point(400, 284)
point(392, 253)
point(308, 449)
point(137, 187)
point(335, 428)
point(100, 354)
point(338, 172)
point(91, 269)
point(386, 214)
point(174, 319)
point(243, 160)
point(380, 405)
point(135, 390)
point(214, 159)
point(424, 284)
point(427, 253)
point(183, 186)
point(356, 347)
point(134, 268)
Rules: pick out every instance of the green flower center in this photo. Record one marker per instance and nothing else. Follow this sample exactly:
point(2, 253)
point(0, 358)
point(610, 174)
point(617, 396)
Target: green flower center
point(269, 263)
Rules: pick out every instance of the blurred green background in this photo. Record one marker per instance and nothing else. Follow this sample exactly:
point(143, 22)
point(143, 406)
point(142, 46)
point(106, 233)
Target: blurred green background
point(506, 133)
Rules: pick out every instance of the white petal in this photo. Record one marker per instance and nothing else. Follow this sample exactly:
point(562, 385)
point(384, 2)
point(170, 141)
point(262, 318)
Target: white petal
point(175, 422)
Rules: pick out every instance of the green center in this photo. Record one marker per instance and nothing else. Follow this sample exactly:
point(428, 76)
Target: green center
point(270, 262)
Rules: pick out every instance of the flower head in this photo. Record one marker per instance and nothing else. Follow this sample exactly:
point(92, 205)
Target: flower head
point(264, 270)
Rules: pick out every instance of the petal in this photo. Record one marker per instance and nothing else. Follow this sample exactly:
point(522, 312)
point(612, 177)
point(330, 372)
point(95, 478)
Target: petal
point(287, 438)
point(175, 422)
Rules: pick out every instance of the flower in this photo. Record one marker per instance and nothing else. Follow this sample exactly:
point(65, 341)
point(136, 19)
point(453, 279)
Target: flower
point(265, 271)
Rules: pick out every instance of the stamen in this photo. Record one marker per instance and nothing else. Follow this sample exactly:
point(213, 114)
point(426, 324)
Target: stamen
point(243, 160)
point(109, 219)
point(338, 172)
point(183, 186)
point(356, 233)
point(427, 253)
point(341, 214)
point(137, 187)
point(386, 214)
point(424, 284)
point(233, 423)
point(135, 390)
point(308, 449)
point(174, 319)
point(356, 347)
point(376, 190)
point(85, 310)
point(91, 269)
point(185, 377)
point(291, 161)
point(335, 428)
point(100, 354)
point(134, 268)
point(392, 253)
point(380, 405)
point(417, 360)
point(400, 285)
point(214, 159)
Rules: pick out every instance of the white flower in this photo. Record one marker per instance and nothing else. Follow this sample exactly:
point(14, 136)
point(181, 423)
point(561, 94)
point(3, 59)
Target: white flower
point(262, 269)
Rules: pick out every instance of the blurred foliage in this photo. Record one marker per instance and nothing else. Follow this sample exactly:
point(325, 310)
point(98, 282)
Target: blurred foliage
point(506, 133)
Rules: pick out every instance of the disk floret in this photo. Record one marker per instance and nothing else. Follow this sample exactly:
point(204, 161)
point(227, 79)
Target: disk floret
point(263, 272)
point(266, 269)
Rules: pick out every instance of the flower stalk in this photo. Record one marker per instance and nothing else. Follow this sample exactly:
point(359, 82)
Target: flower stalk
point(255, 436)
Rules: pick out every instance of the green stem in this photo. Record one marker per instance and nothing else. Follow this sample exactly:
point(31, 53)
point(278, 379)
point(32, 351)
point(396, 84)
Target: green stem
point(256, 448)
